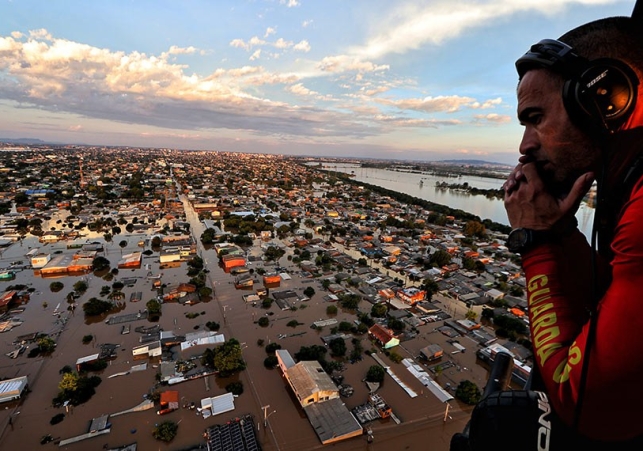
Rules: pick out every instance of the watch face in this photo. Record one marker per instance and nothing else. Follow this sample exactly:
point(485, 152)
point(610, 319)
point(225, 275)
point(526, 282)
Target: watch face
point(517, 240)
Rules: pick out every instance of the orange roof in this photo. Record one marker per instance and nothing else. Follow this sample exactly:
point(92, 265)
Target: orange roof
point(169, 396)
point(381, 333)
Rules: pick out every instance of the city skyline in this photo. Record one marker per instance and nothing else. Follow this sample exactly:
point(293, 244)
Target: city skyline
point(404, 80)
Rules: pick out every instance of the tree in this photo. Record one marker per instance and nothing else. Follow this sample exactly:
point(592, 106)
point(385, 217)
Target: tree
point(81, 286)
point(375, 374)
point(165, 431)
point(309, 292)
point(225, 358)
point(314, 352)
point(55, 287)
point(379, 310)
point(46, 345)
point(331, 310)
point(236, 388)
point(153, 307)
point(271, 361)
point(440, 258)
point(205, 292)
point(274, 253)
point(96, 306)
point(468, 392)
point(100, 263)
point(212, 325)
point(263, 321)
point(474, 228)
point(396, 324)
point(349, 301)
point(337, 347)
point(69, 382)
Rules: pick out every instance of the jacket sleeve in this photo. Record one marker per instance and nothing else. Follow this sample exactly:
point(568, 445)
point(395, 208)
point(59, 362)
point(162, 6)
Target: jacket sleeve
point(559, 288)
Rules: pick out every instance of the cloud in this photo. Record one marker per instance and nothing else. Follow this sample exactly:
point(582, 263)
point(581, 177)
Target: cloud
point(282, 44)
point(444, 104)
point(414, 25)
point(289, 3)
point(302, 46)
point(306, 23)
point(411, 122)
point(40, 34)
point(75, 128)
point(473, 152)
point(175, 50)
point(448, 104)
point(253, 42)
point(493, 118)
point(135, 88)
point(269, 31)
point(343, 63)
point(255, 55)
point(300, 90)
point(487, 104)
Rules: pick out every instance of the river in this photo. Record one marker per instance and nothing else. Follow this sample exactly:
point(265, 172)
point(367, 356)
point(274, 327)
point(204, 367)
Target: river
point(422, 185)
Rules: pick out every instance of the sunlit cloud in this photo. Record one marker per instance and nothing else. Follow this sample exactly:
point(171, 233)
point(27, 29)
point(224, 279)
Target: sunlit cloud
point(342, 63)
point(493, 117)
point(487, 104)
point(414, 24)
point(472, 152)
point(302, 46)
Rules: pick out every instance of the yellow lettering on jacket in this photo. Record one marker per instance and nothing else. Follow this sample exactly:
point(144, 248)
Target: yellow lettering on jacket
point(543, 321)
point(546, 350)
point(545, 336)
point(562, 372)
point(537, 282)
point(539, 296)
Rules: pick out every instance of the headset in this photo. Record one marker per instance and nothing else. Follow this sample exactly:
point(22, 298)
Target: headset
point(601, 92)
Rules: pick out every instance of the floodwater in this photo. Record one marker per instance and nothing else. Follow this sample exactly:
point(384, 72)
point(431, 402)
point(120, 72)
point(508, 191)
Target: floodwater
point(22, 424)
point(422, 186)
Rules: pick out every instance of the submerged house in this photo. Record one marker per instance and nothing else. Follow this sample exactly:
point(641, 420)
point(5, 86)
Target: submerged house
point(319, 397)
point(383, 336)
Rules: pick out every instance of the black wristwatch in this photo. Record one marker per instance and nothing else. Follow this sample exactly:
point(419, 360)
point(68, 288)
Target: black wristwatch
point(521, 240)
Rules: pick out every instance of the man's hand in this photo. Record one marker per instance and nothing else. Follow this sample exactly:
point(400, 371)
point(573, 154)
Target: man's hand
point(530, 205)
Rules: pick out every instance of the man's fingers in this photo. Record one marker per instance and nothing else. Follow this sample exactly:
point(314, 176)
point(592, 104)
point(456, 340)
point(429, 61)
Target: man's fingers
point(581, 185)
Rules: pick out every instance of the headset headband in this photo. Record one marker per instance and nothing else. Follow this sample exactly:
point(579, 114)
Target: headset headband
point(554, 55)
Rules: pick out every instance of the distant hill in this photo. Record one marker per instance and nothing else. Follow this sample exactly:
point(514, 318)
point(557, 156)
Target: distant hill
point(22, 141)
point(471, 162)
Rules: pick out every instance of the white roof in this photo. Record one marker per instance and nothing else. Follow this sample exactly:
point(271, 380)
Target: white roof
point(89, 358)
point(11, 388)
point(218, 404)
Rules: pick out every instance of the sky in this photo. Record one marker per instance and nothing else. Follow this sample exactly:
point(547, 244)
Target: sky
point(404, 79)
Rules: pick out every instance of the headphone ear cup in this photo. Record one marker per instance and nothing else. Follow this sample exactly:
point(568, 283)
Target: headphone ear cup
point(604, 94)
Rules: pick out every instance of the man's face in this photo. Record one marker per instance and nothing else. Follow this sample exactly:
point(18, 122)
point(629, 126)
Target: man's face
point(561, 151)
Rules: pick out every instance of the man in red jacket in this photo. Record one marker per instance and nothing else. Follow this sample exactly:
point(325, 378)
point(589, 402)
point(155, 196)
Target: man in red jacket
point(580, 104)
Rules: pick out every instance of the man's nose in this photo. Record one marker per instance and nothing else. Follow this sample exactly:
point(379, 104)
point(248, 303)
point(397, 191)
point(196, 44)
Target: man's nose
point(529, 142)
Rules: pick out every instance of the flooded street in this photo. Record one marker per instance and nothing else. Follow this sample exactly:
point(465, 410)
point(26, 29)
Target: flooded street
point(23, 424)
